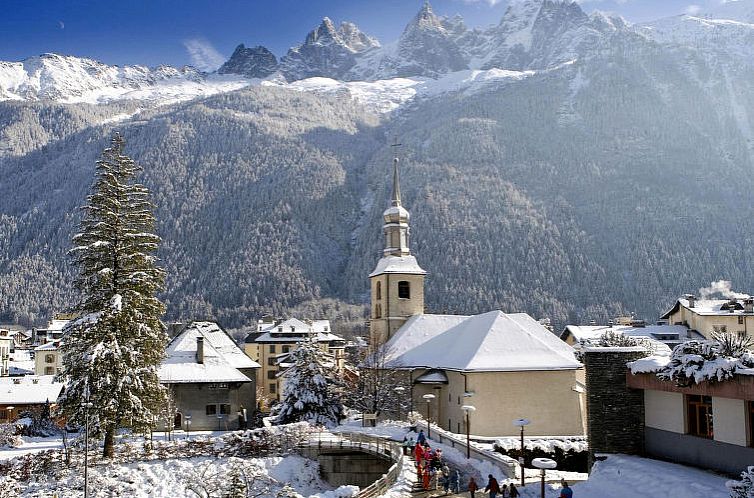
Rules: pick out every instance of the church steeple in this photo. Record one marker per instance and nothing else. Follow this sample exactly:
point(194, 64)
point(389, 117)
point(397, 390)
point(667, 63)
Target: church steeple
point(398, 281)
point(396, 219)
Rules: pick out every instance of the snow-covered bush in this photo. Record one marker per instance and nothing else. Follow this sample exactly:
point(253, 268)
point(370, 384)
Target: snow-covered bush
point(713, 360)
point(743, 488)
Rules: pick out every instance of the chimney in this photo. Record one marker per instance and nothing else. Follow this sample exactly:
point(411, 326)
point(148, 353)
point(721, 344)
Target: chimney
point(200, 349)
point(691, 299)
point(749, 305)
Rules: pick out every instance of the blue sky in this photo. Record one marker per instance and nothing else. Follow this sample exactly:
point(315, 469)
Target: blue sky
point(204, 32)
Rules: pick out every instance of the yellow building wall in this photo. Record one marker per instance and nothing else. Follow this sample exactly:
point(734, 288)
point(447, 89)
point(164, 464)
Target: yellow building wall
point(705, 324)
point(390, 306)
point(41, 363)
point(546, 398)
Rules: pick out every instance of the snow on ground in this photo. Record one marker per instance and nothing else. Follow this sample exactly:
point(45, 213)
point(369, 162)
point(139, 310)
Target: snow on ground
point(174, 478)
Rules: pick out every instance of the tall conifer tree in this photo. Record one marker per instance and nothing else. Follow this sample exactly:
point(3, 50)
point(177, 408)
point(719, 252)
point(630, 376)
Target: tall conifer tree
point(309, 394)
point(111, 353)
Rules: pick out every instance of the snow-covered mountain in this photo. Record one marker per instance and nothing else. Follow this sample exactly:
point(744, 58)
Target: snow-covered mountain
point(727, 31)
point(533, 35)
point(67, 79)
point(327, 51)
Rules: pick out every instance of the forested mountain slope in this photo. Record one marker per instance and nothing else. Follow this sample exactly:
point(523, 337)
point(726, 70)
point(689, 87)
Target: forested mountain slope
point(609, 183)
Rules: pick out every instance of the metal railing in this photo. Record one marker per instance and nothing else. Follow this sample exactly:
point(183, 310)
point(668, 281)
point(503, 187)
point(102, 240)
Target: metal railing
point(369, 444)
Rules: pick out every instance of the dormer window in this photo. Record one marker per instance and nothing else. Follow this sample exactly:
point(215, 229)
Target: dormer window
point(280, 328)
point(404, 290)
point(293, 329)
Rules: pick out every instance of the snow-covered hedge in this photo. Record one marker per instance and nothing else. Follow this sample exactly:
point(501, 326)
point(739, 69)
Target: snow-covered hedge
point(743, 488)
point(714, 360)
point(692, 362)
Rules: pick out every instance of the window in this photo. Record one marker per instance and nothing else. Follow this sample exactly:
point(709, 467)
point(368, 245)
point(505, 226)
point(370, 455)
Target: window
point(211, 409)
point(740, 319)
point(404, 290)
point(378, 311)
point(719, 329)
point(4, 414)
point(286, 349)
point(378, 290)
point(272, 348)
point(699, 410)
point(273, 388)
point(49, 370)
point(271, 374)
point(225, 409)
point(271, 361)
point(49, 358)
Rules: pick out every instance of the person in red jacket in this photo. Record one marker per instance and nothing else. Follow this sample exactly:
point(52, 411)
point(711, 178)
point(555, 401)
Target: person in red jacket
point(418, 453)
point(492, 486)
point(472, 487)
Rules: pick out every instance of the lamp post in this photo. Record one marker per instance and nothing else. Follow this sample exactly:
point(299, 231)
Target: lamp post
point(87, 406)
point(428, 398)
point(522, 422)
point(468, 409)
point(399, 392)
point(188, 426)
point(542, 464)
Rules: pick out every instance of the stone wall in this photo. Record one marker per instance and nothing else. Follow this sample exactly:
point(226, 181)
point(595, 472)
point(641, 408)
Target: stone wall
point(615, 413)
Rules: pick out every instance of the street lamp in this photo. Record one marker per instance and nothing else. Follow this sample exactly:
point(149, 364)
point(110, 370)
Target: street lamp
point(188, 426)
point(87, 406)
point(522, 422)
point(468, 409)
point(399, 392)
point(542, 464)
point(428, 398)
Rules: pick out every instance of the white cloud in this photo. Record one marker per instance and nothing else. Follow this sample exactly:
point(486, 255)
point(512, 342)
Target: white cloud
point(693, 9)
point(203, 55)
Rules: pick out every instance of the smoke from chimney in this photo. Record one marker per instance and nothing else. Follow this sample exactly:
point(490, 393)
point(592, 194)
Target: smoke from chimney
point(722, 288)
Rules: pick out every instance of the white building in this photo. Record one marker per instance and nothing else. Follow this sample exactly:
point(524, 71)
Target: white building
point(670, 335)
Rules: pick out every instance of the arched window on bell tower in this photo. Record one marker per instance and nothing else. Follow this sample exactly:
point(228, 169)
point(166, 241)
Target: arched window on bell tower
point(404, 290)
point(378, 290)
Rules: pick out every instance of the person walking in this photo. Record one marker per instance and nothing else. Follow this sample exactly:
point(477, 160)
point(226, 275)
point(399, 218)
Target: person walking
point(472, 487)
point(514, 491)
point(504, 492)
point(455, 480)
point(565, 490)
point(445, 479)
point(425, 479)
point(492, 486)
point(418, 454)
point(421, 438)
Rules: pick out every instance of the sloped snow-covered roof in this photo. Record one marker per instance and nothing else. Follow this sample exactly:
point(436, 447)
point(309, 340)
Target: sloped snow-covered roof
point(492, 341)
point(295, 330)
point(674, 333)
point(709, 307)
point(222, 357)
point(29, 390)
point(398, 264)
point(50, 346)
point(220, 341)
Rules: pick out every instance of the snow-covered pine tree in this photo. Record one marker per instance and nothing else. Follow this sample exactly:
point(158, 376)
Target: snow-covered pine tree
point(111, 353)
point(310, 393)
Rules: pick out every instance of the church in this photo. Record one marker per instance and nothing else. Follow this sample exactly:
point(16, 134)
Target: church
point(507, 366)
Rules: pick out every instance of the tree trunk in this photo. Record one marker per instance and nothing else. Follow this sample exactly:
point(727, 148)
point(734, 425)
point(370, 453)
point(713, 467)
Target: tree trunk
point(109, 448)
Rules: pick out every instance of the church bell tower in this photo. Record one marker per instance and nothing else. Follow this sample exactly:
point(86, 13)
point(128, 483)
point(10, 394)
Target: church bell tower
point(397, 282)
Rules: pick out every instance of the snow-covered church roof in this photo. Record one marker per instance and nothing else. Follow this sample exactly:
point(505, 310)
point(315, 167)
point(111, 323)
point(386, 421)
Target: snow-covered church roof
point(222, 357)
point(398, 264)
point(493, 341)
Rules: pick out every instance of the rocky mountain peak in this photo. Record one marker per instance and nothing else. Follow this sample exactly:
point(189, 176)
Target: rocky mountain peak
point(252, 62)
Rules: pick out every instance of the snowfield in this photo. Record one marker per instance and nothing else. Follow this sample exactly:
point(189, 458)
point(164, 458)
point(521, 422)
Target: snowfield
point(175, 478)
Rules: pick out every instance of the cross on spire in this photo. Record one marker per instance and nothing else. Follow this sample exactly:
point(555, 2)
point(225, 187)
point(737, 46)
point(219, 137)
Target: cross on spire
point(396, 199)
